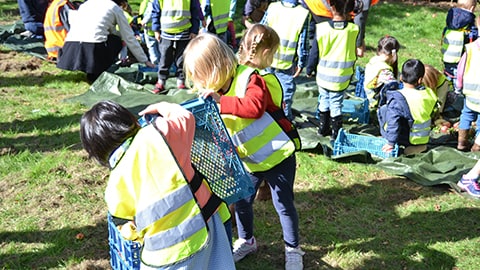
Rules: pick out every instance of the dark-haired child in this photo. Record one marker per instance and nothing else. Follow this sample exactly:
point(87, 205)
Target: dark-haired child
point(406, 117)
point(153, 183)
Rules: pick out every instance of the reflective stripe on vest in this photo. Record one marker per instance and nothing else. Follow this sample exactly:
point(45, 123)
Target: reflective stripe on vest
point(452, 45)
point(471, 83)
point(337, 61)
point(261, 143)
point(148, 177)
point(55, 32)
point(275, 88)
point(287, 30)
point(421, 104)
point(220, 14)
point(175, 17)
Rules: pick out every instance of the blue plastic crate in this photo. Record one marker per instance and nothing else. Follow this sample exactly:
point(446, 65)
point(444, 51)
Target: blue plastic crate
point(347, 142)
point(124, 254)
point(214, 154)
point(356, 110)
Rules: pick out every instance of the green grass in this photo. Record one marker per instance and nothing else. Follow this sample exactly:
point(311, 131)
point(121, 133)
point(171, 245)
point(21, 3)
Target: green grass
point(352, 216)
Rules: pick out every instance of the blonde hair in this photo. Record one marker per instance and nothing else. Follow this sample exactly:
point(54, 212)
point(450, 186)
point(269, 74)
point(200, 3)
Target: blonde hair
point(430, 79)
point(466, 4)
point(258, 38)
point(209, 62)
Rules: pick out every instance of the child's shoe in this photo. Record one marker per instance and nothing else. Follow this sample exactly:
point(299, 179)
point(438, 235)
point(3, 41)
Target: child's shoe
point(242, 248)
point(473, 189)
point(464, 183)
point(293, 258)
point(159, 88)
point(181, 84)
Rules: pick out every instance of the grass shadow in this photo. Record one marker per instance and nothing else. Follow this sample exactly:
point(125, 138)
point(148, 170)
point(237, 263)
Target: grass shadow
point(363, 219)
point(49, 139)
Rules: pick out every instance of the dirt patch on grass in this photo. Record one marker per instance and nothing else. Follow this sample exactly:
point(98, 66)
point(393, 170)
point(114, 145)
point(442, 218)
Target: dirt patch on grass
point(9, 62)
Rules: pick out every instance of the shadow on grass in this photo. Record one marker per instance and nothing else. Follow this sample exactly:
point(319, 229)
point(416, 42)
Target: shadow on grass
point(49, 126)
point(362, 221)
point(42, 78)
point(57, 247)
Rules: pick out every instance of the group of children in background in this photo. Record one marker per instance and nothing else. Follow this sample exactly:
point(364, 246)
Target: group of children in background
point(255, 106)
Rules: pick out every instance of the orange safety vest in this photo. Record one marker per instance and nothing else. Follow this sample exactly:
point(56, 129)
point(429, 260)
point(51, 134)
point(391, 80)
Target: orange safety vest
point(55, 31)
point(322, 7)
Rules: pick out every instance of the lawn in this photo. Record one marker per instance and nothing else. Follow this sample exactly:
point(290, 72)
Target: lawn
point(352, 215)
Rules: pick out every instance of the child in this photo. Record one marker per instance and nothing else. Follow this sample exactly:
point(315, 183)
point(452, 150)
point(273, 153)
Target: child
point(173, 32)
point(406, 117)
point(337, 53)
point(468, 82)
point(245, 105)
point(92, 44)
point(436, 81)
point(218, 12)
point(290, 21)
point(469, 181)
point(145, 11)
point(460, 30)
point(56, 26)
point(253, 12)
point(381, 69)
point(154, 185)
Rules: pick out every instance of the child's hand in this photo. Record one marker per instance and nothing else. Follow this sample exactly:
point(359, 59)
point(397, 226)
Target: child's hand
point(150, 64)
point(210, 93)
point(298, 70)
point(387, 148)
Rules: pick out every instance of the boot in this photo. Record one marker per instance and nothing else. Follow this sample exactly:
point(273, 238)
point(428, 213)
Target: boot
point(324, 123)
point(476, 145)
point(337, 123)
point(463, 144)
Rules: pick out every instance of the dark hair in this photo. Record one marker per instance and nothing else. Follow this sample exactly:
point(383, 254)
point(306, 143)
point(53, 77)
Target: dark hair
point(343, 6)
point(412, 71)
point(105, 127)
point(389, 45)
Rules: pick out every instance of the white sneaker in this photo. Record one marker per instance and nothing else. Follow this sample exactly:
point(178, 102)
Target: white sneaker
point(293, 258)
point(241, 248)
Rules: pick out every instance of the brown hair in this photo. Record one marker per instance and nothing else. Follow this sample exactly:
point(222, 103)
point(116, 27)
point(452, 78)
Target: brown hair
point(389, 46)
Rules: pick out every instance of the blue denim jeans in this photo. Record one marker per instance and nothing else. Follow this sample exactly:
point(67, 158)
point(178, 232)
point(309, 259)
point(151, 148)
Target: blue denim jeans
point(280, 179)
point(330, 101)
point(153, 48)
point(467, 117)
point(33, 15)
point(285, 76)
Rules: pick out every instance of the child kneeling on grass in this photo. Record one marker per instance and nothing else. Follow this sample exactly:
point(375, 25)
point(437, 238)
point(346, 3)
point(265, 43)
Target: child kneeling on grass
point(154, 184)
point(406, 117)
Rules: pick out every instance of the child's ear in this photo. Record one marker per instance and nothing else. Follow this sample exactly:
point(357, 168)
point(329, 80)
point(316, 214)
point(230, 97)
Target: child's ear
point(419, 80)
point(266, 53)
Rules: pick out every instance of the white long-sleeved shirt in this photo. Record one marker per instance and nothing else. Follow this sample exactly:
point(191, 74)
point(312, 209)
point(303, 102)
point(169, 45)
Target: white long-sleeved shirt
point(96, 19)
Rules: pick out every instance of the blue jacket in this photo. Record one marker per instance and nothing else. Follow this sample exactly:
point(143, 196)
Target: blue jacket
point(398, 118)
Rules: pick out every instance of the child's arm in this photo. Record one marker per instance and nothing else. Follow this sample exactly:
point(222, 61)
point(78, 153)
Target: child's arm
point(252, 105)
point(394, 114)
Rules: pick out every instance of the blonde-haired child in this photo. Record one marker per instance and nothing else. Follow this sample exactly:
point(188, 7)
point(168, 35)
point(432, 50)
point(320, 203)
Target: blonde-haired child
point(381, 68)
point(245, 104)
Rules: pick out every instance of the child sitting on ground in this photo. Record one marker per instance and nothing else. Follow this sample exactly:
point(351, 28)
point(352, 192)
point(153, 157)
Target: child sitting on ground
point(406, 117)
point(381, 69)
